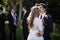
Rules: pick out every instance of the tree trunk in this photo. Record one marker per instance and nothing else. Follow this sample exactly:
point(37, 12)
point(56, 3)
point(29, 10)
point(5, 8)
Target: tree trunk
point(12, 4)
point(20, 12)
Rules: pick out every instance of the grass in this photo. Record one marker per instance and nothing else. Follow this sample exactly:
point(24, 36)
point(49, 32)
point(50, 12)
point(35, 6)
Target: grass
point(19, 33)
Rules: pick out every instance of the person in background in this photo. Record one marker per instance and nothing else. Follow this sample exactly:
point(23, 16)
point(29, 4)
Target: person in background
point(12, 23)
point(24, 23)
point(2, 24)
point(4, 9)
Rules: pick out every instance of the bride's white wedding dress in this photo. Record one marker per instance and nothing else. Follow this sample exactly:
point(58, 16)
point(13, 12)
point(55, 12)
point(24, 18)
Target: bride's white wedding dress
point(37, 27)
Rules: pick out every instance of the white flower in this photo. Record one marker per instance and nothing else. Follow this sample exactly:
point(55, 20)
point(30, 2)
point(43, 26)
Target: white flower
point(46, 16)
point(15, 14)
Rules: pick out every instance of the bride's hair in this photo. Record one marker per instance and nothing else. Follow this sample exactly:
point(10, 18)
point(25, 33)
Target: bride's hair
point(33, 13)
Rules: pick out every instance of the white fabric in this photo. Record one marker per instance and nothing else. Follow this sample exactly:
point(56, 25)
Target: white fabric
point(4, 9)
point(12, 13)
point(38, 26)
point(24, 12)
point(14, 16)
point(43, 15)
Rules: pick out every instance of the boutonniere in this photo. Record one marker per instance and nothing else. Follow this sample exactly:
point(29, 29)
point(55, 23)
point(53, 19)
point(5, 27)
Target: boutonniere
point(43, 20)
point(46, 16)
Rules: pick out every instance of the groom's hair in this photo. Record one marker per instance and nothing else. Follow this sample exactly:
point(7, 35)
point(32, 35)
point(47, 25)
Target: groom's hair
point(25, 7)
point(44, 5)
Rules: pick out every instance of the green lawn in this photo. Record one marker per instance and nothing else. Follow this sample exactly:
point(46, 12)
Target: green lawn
point(19, 33)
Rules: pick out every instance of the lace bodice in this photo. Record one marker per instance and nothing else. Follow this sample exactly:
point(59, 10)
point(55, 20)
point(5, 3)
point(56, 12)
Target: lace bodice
point(38, 25)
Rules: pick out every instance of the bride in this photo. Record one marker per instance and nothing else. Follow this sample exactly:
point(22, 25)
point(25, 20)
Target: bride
point(35, 24)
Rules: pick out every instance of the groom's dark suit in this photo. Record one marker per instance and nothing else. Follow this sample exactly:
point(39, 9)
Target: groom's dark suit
point(48, 26)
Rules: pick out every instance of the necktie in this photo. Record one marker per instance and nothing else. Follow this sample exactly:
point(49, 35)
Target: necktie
point(41, 17)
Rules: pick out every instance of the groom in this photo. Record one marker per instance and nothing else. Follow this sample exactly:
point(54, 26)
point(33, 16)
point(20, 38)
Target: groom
point(47, 21)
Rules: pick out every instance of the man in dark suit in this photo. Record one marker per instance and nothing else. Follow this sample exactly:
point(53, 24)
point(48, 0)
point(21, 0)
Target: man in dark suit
point(12, 23)
point(24, 23)
point(47, 21)
point(2, 24)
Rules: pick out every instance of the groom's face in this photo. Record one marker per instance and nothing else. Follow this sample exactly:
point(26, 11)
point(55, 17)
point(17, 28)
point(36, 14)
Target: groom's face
point(42, 9)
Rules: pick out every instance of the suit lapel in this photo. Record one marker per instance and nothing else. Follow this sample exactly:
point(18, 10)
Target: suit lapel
point(11, 15)
point(24, 15)
point(45, 19)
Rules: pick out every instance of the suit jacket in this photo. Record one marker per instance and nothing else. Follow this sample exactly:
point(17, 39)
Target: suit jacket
point(48, 24)
point(2, 21)
point(24, 22)
point(11, 20)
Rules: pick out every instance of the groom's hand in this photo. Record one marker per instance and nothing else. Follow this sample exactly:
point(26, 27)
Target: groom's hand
point(40, 33)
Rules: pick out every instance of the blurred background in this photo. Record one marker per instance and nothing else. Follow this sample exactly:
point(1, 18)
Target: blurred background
point(53, 7)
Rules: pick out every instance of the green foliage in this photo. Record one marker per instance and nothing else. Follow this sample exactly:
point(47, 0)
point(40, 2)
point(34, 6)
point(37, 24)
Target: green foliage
point(19, 33)
point(56, 34)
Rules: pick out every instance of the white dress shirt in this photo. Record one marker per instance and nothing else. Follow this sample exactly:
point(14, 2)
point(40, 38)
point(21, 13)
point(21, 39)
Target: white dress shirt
point(42, 15)
point(13, 16)
point(24, 12)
